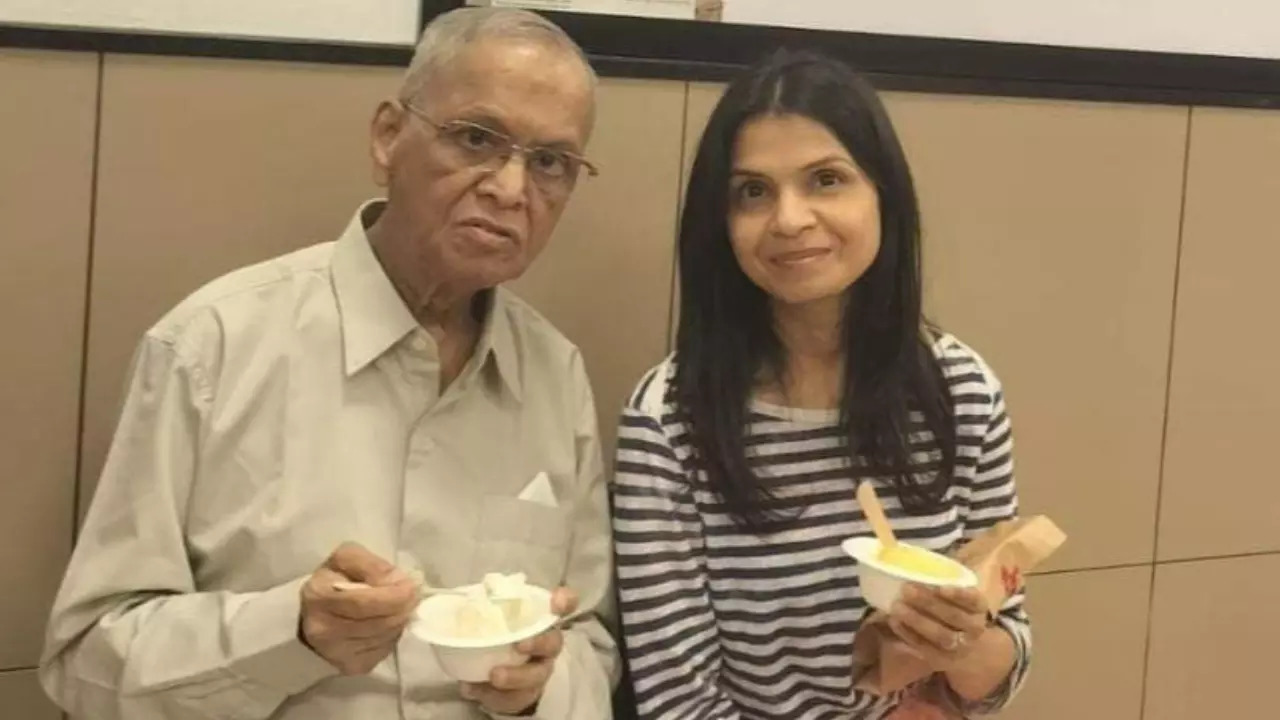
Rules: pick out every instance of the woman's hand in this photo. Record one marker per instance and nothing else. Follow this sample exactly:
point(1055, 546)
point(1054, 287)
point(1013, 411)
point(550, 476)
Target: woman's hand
point(950, 629)
point(943, 625)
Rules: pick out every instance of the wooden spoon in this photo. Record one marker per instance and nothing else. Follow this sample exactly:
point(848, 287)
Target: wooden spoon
point(875, 515)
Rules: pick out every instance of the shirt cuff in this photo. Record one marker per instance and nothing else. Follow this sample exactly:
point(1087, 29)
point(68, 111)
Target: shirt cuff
point(264, 642)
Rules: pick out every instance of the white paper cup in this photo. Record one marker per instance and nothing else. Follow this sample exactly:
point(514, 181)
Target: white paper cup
point(473, 659)
point(882, 584)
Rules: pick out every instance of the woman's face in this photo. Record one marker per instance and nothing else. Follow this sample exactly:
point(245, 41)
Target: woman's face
point(804, 220)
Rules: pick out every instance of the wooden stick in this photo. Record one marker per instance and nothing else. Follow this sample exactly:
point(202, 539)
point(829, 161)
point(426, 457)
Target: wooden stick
point(874, 511)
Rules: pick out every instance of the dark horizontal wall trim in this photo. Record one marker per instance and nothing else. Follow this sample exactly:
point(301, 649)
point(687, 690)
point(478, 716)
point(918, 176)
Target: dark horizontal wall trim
point(685, 50)
point(698, 51)
point(202, 46)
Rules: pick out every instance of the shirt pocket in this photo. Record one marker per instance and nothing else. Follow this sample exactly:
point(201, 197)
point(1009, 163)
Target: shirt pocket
point(522, 536)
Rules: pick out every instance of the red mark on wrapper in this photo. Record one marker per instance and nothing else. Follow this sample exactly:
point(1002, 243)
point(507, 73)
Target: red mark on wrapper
point(1011, 578)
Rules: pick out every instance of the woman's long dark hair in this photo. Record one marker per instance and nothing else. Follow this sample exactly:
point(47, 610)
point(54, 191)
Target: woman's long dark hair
point(726, 334)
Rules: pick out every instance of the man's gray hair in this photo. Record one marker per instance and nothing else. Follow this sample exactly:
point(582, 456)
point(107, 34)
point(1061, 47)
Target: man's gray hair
point(449, 34)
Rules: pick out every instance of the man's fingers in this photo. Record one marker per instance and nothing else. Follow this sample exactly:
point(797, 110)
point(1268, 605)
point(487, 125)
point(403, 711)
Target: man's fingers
point(385, 642)
point(361, 661)
point(530, 676)
point(338, 626)
point(355, 628)
point(363, 603)
point(564, 602)
point(511, 690)
point(355, 562)
point(331, 645)
point(351, 655)
point(504, 702)
point(370, 604)
point(547, 645)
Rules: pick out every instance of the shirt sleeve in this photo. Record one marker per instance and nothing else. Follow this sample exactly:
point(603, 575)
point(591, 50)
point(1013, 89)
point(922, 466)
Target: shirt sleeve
point(993, 498)
point(669, 626)
point(584, 675)
point(130, 636)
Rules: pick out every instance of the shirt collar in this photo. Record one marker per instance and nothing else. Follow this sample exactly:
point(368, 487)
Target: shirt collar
point(374, 317)
point(372, 314)
point(498, 340)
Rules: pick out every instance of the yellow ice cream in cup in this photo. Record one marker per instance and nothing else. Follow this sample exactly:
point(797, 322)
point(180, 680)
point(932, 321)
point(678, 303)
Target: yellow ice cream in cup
point(882, 572)
point(885, 565)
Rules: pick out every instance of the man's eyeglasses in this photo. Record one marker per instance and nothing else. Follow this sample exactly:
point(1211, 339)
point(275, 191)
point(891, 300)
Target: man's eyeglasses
point(475, 145)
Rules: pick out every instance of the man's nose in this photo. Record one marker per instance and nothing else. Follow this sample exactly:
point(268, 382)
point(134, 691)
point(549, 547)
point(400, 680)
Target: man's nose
point(508, 183)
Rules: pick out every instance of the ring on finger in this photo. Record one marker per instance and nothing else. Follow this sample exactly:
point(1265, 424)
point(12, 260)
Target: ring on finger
point(957, 641)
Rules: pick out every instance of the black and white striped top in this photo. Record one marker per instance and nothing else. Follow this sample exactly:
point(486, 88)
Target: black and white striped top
point(723, 624)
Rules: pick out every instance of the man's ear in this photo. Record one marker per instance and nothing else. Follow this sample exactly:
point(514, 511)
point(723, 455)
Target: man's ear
point(384, 133)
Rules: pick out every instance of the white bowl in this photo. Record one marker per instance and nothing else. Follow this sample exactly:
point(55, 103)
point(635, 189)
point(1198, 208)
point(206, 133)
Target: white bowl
point(882, 584)
point(473, 659)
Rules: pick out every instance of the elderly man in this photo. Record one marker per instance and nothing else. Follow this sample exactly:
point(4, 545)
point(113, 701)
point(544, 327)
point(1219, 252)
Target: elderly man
point(305, 439)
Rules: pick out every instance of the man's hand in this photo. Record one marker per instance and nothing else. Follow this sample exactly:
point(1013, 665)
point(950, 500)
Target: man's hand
point(354, 628)
point(517, 690)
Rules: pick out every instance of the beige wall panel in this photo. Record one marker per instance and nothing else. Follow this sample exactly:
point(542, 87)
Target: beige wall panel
point(207, 165)
point(21, 697)
point(46, 142)
point(1090, 631)
point(1213, 640)
point(701, 100)
point(605, 279)
point(1050, 246)
point(1225, 400)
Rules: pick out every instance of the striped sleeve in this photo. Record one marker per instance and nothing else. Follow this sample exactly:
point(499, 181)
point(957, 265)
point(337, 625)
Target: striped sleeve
point(993, 498)
point(669, 627)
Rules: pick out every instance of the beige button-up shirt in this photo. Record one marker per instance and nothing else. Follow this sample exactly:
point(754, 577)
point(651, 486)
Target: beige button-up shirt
point(288, 407)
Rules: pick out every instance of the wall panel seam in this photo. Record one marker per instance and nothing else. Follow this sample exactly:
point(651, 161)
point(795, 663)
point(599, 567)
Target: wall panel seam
point(1164, 431)
point(88, 300)
point(672, 304)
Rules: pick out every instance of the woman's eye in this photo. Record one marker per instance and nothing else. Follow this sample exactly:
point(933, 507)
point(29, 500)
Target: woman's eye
point(751, 191)
point(828, 178)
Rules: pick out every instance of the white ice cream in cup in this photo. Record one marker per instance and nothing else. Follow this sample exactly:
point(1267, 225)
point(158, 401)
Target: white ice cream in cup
point(474, 629)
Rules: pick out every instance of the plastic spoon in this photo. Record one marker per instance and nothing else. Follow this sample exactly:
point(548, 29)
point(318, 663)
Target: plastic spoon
point(414, 575)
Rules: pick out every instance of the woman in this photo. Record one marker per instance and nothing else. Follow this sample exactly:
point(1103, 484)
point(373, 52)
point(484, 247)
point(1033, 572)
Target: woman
point(802, 367)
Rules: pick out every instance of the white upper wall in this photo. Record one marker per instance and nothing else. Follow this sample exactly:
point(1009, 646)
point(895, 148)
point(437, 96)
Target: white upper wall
point(344, 21)
point(673, 9)
point(1247, 28)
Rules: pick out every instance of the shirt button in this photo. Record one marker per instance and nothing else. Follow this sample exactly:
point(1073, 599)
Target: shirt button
point(418, 344)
